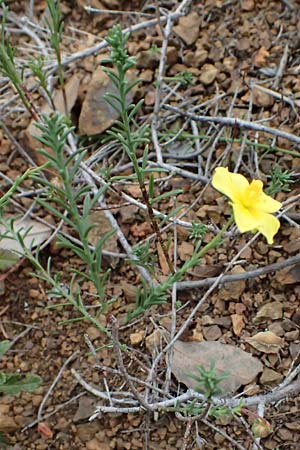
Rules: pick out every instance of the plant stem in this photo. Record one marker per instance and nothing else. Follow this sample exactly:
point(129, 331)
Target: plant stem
point(131, 153)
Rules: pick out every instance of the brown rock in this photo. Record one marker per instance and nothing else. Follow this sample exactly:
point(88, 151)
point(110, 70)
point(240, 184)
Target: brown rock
point(212, 333)
point(285, 435)
point(154, 340)
point(93, 333)
point(72, 90)
point(188, 28)
point(233, 291)
point(238, 323)
point(7, 424)
point(261, 57)
point(87, 431)
point(101, 226)
point(185, 250)
point(289, 275)
point(294, 349)
point(208, 74)
point(136, 338)
point(270, 376)
point(96, 114)
point(292, 335)
point(94, 444)
point(270, 311)
point(201, 56)
point(86, 407)
point(261, 98)
point(229, 63)
point(148, 59)
point(247, 5)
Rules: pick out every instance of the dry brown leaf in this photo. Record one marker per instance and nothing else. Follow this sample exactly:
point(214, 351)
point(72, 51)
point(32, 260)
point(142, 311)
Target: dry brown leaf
point(266, 342)
point(241, 366)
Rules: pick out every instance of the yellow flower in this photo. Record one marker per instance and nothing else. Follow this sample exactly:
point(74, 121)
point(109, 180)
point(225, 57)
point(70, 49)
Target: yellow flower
point(252, 208)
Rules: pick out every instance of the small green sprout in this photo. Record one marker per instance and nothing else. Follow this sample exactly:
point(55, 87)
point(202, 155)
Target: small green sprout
point(208, 380)
point(198, 231)
point(280, 181)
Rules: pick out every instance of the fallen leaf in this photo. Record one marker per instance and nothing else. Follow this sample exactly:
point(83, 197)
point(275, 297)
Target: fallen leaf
point(261, 428)
point(266, 342)
point(7, 259)
point(241, 366)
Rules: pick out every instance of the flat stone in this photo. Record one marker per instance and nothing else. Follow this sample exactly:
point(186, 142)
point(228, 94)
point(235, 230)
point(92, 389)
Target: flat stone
point(212, 333)
point(7, 424)
point(96, 113)
point(270, 311)
point(270, 376)
point(208, 74)
point(188, 28)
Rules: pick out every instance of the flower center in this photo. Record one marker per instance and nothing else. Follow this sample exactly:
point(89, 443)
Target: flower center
point(250, 197)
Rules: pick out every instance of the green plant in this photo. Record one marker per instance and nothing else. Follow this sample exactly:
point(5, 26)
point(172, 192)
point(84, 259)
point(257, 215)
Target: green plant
point(63, 201)
point(144, 256)
point(8, 66)
point(56, 26)
point(280, 181)
point(37, 67)
point(126, 130)
point(208, 380)
point(198, 231)
point(158, 294)
point(184, 78)
point(14, 383)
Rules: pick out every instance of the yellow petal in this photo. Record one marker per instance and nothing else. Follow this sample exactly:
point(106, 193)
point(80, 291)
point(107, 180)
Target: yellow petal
point(248, 220)
point(230, 184)
point(244, 218)
point(269, 226)
point(254, 197)
point(268, 204)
